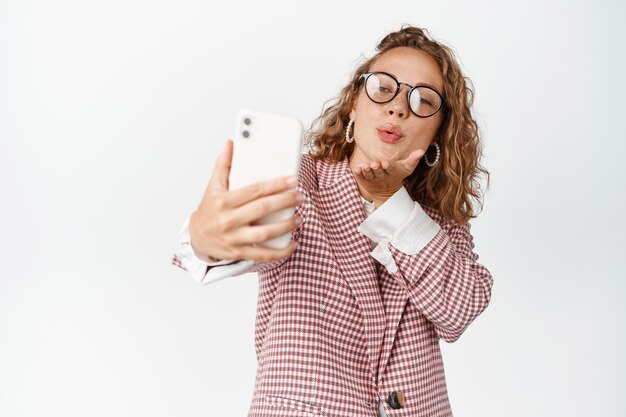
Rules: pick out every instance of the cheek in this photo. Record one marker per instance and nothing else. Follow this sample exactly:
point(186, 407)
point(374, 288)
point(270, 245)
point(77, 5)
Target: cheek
point(365, 107)
point(427, 131)
point(420, 140)
point(362, 122)
point(438, 119)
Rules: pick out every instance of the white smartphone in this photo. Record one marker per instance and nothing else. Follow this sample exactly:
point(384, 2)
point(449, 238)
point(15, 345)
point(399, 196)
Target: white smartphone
point(266, 146)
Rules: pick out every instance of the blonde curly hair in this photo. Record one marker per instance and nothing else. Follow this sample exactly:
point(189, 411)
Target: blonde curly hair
point(453, 182)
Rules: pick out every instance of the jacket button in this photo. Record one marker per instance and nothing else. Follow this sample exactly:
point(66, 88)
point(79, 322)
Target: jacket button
point(396, 400)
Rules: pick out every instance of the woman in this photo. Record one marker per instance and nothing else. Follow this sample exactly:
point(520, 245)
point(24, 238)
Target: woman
point(380, 266)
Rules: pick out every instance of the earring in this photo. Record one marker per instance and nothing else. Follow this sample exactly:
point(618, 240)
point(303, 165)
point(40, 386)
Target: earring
point(348, 138)
point(436, 158)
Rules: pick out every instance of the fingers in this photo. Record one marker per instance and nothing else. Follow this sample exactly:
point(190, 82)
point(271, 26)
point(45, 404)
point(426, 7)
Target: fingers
point(403, 167)
point(372, 170)
point(249, 235)
point(221, 171)
point(260, 189)
point(264, 206)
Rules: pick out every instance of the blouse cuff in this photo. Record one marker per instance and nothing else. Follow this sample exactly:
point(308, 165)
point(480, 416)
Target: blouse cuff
point(401, 222)
point(187, 259)
point(418, 230)
point(388, 218)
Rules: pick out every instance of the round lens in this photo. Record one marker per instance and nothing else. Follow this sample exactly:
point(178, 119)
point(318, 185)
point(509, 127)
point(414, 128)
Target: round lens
point(380, 88)
point(424, 101)
point(246, 121)
point(245, 133)
point(414, 100)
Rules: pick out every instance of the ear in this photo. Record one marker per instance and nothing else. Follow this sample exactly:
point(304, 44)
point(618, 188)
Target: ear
point(353, 110)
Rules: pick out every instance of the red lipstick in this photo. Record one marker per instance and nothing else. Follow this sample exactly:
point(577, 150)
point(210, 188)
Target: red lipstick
point(389, 133)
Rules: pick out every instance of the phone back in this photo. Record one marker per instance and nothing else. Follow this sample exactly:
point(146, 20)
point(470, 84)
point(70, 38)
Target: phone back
point(266, 146)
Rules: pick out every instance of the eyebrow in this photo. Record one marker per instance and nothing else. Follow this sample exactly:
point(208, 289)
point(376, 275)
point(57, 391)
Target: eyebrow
point(420, 84)
point(427, 85)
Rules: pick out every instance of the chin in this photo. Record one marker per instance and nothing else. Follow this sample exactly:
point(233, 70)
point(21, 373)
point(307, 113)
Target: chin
point(387, 154)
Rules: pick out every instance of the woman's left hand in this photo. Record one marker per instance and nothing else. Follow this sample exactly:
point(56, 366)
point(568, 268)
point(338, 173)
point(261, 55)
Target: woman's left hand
point(381, 179)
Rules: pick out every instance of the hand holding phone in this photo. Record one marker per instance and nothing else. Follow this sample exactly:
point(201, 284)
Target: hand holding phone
point(234, 222)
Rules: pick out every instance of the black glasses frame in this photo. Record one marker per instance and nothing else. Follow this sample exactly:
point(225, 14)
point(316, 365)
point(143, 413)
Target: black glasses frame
point(366, 75)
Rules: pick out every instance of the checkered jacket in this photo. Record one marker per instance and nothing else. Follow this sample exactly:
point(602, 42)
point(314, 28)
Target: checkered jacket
point(337, 331)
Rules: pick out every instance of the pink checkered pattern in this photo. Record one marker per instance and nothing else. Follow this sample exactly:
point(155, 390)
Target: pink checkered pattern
point(336, 332)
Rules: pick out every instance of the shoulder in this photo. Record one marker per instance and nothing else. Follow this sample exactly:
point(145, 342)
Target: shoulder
point(433, 213)
point(316, 174)
point(307, 176)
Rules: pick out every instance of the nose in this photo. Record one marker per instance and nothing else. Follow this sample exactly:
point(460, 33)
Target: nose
point(399, 106)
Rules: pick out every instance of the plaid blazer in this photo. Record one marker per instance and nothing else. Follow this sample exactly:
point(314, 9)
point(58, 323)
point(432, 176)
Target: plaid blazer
point(336, 332)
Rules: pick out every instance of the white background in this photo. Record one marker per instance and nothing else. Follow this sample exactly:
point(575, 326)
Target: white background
point(113, 113)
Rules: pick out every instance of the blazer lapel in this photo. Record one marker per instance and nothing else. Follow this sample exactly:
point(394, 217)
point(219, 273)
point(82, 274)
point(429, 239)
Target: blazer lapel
point(341, 211)
point(398, 296)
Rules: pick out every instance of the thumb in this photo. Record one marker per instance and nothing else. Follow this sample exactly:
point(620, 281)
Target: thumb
point(413, 159)
point(221, 171)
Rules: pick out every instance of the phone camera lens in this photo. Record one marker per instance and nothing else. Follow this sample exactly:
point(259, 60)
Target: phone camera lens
point(246, 134)
point(247, 121)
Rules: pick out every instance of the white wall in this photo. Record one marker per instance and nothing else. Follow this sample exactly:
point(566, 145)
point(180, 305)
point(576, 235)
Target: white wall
point(111, 117)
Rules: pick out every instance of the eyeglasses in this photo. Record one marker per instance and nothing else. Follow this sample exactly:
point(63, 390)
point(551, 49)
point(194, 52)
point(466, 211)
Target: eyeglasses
point(381, 87)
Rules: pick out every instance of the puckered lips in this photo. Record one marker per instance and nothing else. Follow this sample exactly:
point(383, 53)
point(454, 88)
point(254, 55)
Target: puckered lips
point(389, 133)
